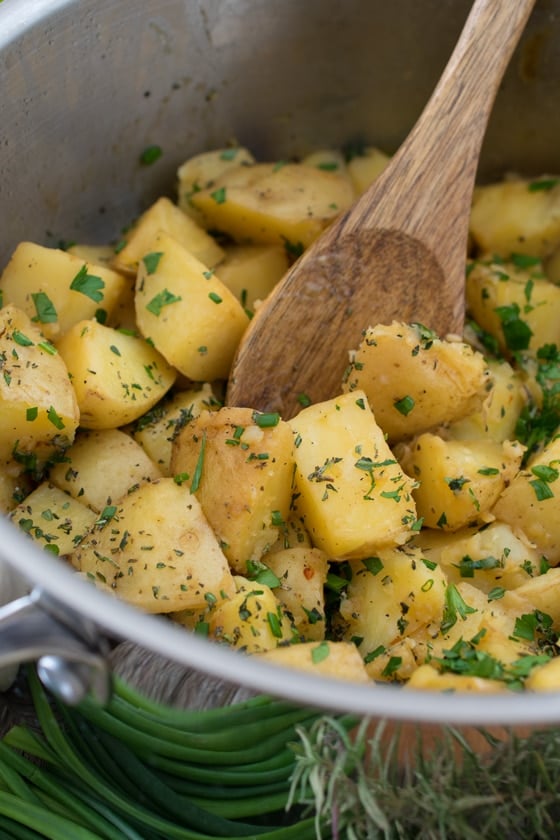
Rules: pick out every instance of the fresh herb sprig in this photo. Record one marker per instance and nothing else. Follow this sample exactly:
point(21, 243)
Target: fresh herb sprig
point(446, 790)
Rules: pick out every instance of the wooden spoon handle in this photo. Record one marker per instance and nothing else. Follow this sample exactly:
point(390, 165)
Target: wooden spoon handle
point(437, 164)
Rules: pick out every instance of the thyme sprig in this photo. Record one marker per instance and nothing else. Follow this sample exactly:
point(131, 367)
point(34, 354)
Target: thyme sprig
point(358, 786)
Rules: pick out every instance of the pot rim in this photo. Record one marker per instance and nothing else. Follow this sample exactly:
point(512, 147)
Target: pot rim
point(385, 701)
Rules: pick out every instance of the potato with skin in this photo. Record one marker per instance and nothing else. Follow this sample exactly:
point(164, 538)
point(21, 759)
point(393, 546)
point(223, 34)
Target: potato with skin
point(274, 204)
point(116, 377)
point(415, 381)
point(157, 551)
point(188, 314)
point(353, 495)
point(239, 464)
point(302, 573)
point(459, 482)
point(56, 289)
point(102, 466)
point(516, 304)
point(166, 216)
point(38, 409)
point(53, 519)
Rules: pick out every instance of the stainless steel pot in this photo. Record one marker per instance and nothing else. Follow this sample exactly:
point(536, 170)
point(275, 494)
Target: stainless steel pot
point(88, 84)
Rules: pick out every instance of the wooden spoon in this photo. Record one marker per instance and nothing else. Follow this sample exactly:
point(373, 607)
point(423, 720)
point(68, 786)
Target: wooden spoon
point(399, 252)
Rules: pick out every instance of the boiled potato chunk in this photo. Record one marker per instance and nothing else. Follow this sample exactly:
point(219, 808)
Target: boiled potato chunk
point(251, 271)
point(497, 418)
point(156, 430)
point(302, 573)
point(201, 171)
point(57, 289)
point(530, 503)
point(190, 316)
point(390, 595)
point(240, 465)
point(543, 592)
point(520, 308)
point(489, 557)
point(334, 660)
point(97, 254)
point(353, 496)
point(415, 381)
point(53, 519)
point(163, 215)
point(156, 550)
point(428, 678)
point(517, 216)
point(274, 204)
point(116, 377)
point(251, 620)
point(102, 466)
point(38, 409)
point(458, 481)
point(365, 167)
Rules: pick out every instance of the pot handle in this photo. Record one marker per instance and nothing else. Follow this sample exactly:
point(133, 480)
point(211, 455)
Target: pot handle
point(70, 651)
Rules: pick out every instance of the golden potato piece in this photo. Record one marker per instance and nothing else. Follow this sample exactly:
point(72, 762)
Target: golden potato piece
point(38, 408)
point(240, 465)
point(156, 550)
point(188, 314)
point(56, 289)
point(116, 377)
point(274, 203)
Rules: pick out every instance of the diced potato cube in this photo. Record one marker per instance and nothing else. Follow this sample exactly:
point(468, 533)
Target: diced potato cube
point(241, 470)
point(364, 168)
point(201, 171)
point(520, 308)
point(516, 216)
point(490, 558)
point(53, 519)
point(545, 677)
point(156, 430)
point(500, 411)
point(426, 677)
point(251, 271)
point(103, 466)
point(157, 551)
point(274, 204)
point(543, 592)
point(57, 289)
point(353, 496)
point(116, 377)
point(530, 503)
point(251, 620)
point(96, 254)
point(458, 481)
point(335, 660)
point(302, 573)
point(190, 316)
point(163, 215)
point(413, 380)
point(390, 595)
point(38, 409)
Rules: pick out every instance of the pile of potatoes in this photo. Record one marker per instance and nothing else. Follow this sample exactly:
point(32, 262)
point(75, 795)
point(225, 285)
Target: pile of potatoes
point(406, 530)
